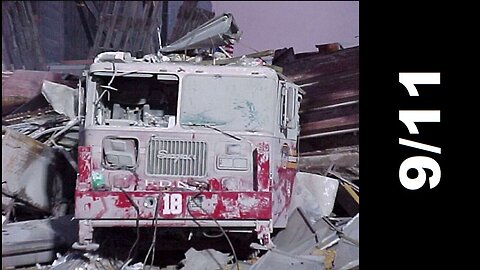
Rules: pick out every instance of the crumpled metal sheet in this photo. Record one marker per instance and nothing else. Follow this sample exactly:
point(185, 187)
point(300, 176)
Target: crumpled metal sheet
point(61, 97)
point(26, 168)
point(298, 239)
point(218, 31)
point(279, 260)
point(314, 194)
point(347, 253)
point(208, 259)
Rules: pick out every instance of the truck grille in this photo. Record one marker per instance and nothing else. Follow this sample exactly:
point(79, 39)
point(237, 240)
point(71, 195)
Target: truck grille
point(176, 158)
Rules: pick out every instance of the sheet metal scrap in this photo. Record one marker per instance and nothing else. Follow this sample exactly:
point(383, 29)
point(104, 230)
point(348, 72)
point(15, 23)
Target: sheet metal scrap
point(36, 241)
point(25, 169)
point(301, 238)
point(207, 259)
point(315, 194)
point(279, 260)
point(218, 31)
point(348, 248)
point(62, 98)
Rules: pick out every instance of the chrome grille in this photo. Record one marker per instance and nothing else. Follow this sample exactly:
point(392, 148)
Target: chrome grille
point(176, 158)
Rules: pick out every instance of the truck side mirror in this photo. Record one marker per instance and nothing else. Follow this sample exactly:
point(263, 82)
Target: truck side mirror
point(291, 104)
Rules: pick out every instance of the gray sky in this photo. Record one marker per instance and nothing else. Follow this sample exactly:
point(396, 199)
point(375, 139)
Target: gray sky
point(298, 24)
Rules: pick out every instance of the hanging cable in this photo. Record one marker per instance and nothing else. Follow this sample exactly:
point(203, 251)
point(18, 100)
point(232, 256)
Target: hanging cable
point(192, 199)
point(152, 246)
point(137, 226)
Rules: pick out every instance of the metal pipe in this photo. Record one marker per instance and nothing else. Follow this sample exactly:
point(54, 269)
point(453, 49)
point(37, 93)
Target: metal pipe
point(329, 133)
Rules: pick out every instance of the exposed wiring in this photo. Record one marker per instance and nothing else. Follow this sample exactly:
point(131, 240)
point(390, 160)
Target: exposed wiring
point(152, 246)
point(137, 225)
point(108, 86)
point(212, 236)
point(101, 96)
point(192, 199)
point(114, 74)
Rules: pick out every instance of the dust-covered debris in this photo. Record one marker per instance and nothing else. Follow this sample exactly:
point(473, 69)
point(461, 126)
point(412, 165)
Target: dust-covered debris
point(347, 249)
point(36, 179)
point(36, 241)
point(26, 165)
point(315, 194)
point(208, 259)
point(62, 98)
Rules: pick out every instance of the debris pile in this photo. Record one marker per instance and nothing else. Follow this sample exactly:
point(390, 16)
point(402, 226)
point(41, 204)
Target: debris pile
point(40, 136)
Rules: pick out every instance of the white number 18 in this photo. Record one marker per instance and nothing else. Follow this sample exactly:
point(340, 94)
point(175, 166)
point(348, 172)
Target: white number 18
point(172, 204)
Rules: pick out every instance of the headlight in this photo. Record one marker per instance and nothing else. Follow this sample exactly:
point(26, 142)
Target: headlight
point(119, 153)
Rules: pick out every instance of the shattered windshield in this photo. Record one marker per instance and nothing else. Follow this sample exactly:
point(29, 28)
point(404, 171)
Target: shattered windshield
point(229, 103)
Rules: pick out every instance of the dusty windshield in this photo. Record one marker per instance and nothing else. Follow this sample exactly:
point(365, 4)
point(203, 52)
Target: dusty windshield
point(229, 103)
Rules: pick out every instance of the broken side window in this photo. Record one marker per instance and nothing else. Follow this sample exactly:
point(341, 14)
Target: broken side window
point(145, 100)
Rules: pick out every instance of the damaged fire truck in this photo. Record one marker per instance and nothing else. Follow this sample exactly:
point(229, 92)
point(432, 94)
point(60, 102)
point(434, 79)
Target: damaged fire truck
point(175, 144)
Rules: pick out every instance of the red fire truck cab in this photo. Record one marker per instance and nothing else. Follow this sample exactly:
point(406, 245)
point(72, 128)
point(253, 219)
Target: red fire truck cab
point(179, 144)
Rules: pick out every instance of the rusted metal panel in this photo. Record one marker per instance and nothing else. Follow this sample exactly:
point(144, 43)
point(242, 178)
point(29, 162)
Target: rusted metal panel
point(339, 123)
point(330, 79)
point(322, 91)
point(23, 85)
point(330, 111)
point(323, 64)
